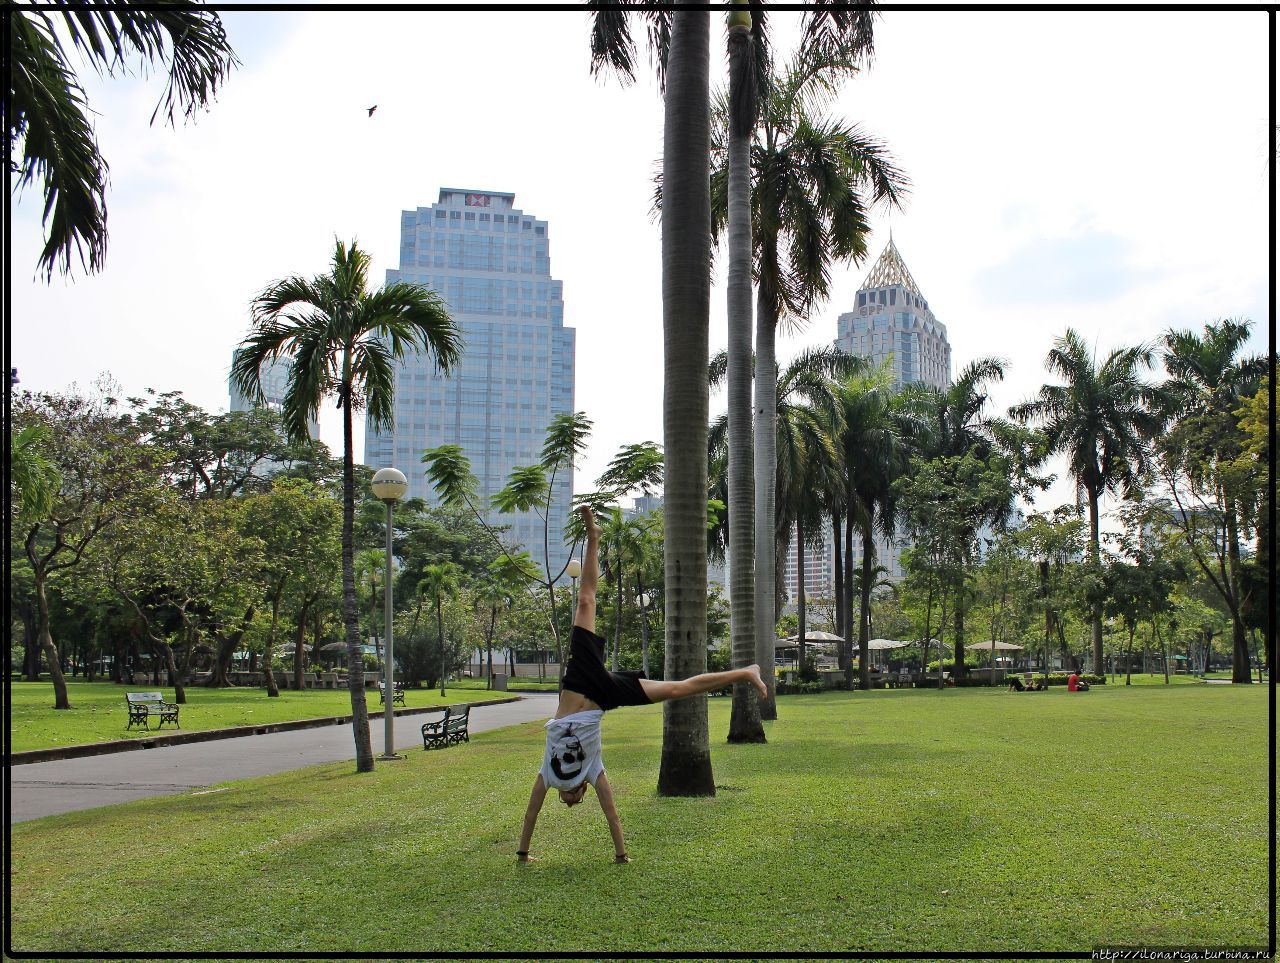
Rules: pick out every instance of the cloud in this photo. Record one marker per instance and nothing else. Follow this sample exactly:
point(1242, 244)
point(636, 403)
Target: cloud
point(1085, 268)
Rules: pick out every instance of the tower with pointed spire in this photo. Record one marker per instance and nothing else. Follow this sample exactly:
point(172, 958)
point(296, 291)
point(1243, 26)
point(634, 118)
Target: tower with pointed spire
point(891, 321)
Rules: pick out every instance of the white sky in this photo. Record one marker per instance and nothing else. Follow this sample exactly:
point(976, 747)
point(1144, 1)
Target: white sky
point(1104, 170)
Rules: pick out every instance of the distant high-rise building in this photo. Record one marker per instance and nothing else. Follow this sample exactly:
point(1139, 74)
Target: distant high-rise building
point(891, 322)
point(275, 383)
point(491, 263)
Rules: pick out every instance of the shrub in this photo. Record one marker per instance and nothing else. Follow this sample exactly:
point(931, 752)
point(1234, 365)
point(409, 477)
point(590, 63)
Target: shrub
point(799, 688)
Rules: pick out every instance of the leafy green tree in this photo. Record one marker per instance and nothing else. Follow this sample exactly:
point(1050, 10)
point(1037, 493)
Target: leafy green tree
point(84, 472)
point(299, 525)
point(1103, 417)
point(216, 456)
point(47, 130)
point(1214, 490)
point(344, 339)
point(183, 568)
point(944, 500)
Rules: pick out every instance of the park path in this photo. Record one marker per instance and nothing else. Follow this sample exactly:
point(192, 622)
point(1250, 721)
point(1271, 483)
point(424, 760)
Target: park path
point(65, 785)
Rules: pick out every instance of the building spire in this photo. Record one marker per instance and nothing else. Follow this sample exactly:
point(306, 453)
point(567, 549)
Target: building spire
point(890, 269)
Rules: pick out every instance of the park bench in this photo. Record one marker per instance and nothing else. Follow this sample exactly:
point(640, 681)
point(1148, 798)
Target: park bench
point(448, 729)
point(397, 694)
point(144, 705)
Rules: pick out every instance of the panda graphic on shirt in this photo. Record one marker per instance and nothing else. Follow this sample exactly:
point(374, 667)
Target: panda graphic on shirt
point(573, 750)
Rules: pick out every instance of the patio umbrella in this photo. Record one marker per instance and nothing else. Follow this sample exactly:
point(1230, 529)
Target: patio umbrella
point(333, 646)
point(992, 647)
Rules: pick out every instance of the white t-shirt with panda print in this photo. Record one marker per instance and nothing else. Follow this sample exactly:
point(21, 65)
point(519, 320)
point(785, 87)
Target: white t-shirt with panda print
point(573, 750)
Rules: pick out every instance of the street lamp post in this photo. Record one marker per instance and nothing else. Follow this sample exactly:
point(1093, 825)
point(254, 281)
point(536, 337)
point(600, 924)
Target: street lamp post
point(644, 632)
point(389, 485)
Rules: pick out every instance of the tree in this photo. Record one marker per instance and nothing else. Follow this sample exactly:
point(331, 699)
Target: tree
point(1213, 488)
point(343, 340)
point(183, 568)
point(299, 525)
point(874, 449)
point(528, 488)
point(944, 500)
point(1103, 418)
point(80, 471)
point(808, 211)
point(438, 581)
point(744, 722)
point(46, 109)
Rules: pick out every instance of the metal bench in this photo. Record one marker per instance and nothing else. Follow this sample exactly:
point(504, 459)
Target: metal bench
point(448, 729)
point(144, 705)
point(397, 694)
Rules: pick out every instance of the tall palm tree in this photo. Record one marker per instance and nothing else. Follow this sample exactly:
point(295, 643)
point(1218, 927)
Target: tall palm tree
point(808, 423)
point(956, 423)
point(46, 112)
point(744, 722)
point(439, 580)
point(1208, 384)
point(875, 449)
point(814, 178)
point(682, 38)
point(1102, 417)
point(344, 339)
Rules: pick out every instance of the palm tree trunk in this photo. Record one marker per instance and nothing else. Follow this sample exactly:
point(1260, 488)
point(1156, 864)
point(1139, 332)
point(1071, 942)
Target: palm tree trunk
point(957, 642)
point(848, 590)
point(766, 455)
point(444, 660)
point(800, 612)
point(355, 658)
point(864, 605)
point(685, 769)
point(744, 720)
point(617, 614)
point(488, 645)
point(844, 649)
point(1095, 558)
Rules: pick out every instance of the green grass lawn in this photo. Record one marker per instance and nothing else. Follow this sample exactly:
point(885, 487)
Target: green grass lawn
point(518, 684)
point(962, 820)
point(98, 712)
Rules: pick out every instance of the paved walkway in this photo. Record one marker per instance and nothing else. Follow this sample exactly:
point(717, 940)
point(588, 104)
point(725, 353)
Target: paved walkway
point(66, 785)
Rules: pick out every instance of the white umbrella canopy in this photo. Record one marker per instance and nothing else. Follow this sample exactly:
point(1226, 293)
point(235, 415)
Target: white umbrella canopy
point(878, 644)
point(814, 637)
point(794, 642)
point(997, 646)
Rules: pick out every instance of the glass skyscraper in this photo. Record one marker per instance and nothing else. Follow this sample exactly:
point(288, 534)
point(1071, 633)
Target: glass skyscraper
point(491, 263)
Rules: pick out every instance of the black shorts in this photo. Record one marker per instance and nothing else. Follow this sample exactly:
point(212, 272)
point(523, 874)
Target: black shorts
point(586, 674)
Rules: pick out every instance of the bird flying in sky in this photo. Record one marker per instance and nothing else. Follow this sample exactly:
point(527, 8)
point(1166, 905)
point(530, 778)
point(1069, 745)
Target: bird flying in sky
point(372, 109)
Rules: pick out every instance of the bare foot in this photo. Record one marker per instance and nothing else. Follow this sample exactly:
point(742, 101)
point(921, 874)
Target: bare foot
point(589, 522)
point(526, 858)
point(758, 682)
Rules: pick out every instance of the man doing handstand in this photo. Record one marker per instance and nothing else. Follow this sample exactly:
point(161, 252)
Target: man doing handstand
point(572, 757)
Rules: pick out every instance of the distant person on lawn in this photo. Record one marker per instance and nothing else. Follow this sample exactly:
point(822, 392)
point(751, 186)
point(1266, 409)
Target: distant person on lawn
point(572, 757)
point(1074, 683)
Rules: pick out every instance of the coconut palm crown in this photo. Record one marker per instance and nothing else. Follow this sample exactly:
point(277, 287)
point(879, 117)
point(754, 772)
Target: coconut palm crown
point(344, 340)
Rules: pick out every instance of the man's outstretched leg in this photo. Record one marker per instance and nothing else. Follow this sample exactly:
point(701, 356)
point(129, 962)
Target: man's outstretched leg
point(706, 682)
point(586, 613)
